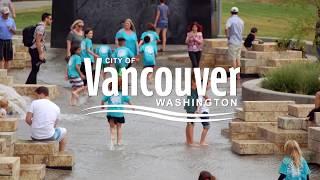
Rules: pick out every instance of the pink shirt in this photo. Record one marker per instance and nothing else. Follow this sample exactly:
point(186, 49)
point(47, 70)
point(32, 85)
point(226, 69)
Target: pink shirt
point(194, 41)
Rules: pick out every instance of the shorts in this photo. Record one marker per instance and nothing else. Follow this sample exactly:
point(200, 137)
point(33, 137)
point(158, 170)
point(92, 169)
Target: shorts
point(6, 50)
point(59, 134)
point(162, 25)
point(152, 66)
point(234, 52)
point(76, 82)
point(206, 125)
point(117, 120)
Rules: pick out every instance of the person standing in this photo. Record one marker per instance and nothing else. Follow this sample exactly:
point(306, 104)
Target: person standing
point(151, 32)
point(162, 22)
point(10, 5)
point(7, 30)
point(37, 50)
point(194, 41)
point(75, 36)
point(234, 29)
point(316, 41)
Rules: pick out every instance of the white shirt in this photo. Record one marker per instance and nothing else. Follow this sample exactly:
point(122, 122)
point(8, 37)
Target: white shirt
point(203, 107)
point(45, 114)
point(235, 25)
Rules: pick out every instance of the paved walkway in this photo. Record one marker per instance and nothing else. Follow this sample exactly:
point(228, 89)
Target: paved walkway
point(23, 5)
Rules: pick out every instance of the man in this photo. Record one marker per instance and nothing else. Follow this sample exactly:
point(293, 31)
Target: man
point(10, 5)
point(7, 30)
point(37, 50)
point(316, 41)
point(43, 118)
point(234, 29)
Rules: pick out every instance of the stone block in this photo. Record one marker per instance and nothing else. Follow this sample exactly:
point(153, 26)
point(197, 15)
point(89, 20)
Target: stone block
point(244, 136)
point(266, 106)
point(10, 137)
point(8, 124)
point(317, 119)
point(263, 70)
point(252, 147)
point(62, 160)
point(28, 90)
point(179, 58)
point(28, 147)
point(221, 59)
point(220, 51)
point(300, 110)
point(314, 133)
point(265, 47)
point(32, 172)
point(20, 56)
point(284, 62)
point(18, 64)
point(40, 159)
point(3, 146)
point(260, 55)
point(243, 126)
point(213, 43)
point(281, 136)
point(20, 48)
point(9, 150)
point(248, 70)
point(308, 155)
point(263, 116)
point(17, 39)
point(3, 73)
point(8, 80)
point(26, 159)
point(248, 62)
point(240, 113)
point(314, 145)
point(290, 122)
point(10, 166)
point(289, 54)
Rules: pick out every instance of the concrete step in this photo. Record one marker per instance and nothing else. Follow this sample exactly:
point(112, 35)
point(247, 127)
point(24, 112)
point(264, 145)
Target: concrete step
point(308, 155)
point(252, 147)
point(244, 136)
point(314, 133)
point(3, 146)
point(259, 116)
point(264, 70)
point(249, 70)
point(220, 51)
point(241, 126)
point(28, 147)
point(281, 136)
point(32, 171)
point(20, 48)
point(8, 125)
point(266, 106)
point(290, 122)
point(181, 58)
point(300, 110)
point(212, 43)
point(61, 160)
point(314, 145)
point(18, 64)
point(284, 62)
point(245, 62)
point(10, 168)
point(8, 80)
point(3, 73)
point(10, 138)
point(265, 47)
point(28, 90)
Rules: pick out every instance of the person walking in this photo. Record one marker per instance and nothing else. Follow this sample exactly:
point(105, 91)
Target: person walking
point(233, 31)
point(194, 41)
point(75, 36)
point(7, 30)
point(162, 22)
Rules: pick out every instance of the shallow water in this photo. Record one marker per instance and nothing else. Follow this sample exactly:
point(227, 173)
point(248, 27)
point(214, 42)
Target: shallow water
point(153, 149)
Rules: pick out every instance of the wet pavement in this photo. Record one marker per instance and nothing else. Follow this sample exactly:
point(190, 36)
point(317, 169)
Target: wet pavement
point(153, 149)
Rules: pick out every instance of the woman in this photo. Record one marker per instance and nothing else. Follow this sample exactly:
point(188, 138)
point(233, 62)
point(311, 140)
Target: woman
point(75, 36)
point(162, 22)
point(194, 41)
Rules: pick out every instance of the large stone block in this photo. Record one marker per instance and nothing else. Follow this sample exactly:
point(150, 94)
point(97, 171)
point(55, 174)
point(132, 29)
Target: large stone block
point(3, 73)
point(281, 136)
point(314, 145)
point(26, 159)
point(220, 51)
point(18, 64)
point(32, 172)
point(240, 113)
point(265, 47)
point(314, 133)
point(263, 70)
point(290, 122)
point(317, 119)
point(250, 147)
point(20, 55)
point(10, 137)
point(20, 48)
point(61, 160)
point(243, 126)
point(8, 125)
point(260, 55)
point(263, 116)
point(266, 106)
point(10, 166)
point(213, 43)
point(8, 80)
point(289, 54)
point(248, 62)
point(3, 146)
point(300, 110)
point(284, 62)
point(244, 136)
point(248, 70)
point(40, 159)
point(28, 147)
point(28, 90)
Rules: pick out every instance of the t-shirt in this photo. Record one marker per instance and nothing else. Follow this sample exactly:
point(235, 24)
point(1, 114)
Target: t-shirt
point(235, 25)
point(292, 173)
point(164, 12)
point(116, 100)
point(191, 105)
point(85, 45)
point(5, 24)
point(131, 40)
point(40, 30)
point(248, 42)
point(123, 53)
point(149, 53)
point(45, 114)
point(202, 107)
point(74, 38)
point(72, 66)
point(104, 51)
point(154, 37)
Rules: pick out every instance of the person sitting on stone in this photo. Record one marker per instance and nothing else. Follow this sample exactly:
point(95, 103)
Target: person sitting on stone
point(4, 104)
point(43, 117)
point(311, 115)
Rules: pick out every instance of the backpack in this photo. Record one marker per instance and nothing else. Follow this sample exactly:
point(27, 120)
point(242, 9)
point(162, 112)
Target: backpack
point(28, 35)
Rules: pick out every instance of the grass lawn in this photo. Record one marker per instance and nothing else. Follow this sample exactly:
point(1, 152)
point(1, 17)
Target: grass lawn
point(270, 18)
point(30, 17)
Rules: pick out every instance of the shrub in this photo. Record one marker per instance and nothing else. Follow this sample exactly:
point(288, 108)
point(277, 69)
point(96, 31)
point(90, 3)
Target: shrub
point(299, 78)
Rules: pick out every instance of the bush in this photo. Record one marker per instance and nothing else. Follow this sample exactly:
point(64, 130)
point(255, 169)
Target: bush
point(298, 78)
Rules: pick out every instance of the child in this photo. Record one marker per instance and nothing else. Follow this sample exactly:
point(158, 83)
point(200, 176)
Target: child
point(116, 119)
point(87, 51)
point(75, 75)
point(205, 175)
point(149, 53)
point(122, 53)
point(293, 166)
point(203, 109)
point(104, 52)
point(250, 38)
point(191, 108)
point(4, 104)
point(154, 37)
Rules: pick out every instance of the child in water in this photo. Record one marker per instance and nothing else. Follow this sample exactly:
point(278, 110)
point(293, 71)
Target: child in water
point(293, 166)
point(122, 54)
point(104, 51)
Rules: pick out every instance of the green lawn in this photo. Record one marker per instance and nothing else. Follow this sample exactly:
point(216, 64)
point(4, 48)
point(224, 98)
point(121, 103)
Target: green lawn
point(30, 17)
point(271, 19)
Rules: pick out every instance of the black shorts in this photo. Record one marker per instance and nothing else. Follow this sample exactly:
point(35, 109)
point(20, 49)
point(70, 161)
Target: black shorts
point(6, 50)
point(206, 125)
point(117, 120)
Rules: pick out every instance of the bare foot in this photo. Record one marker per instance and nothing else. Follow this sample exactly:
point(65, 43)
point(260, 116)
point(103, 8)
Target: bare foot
point(204, 144)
